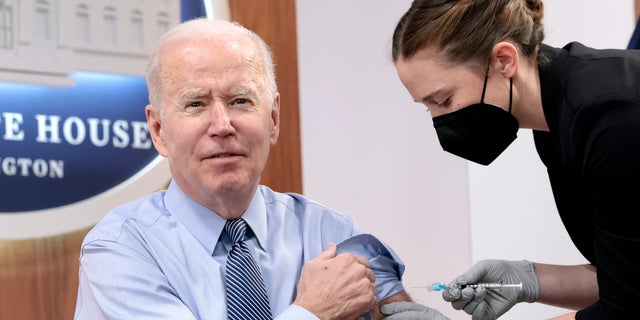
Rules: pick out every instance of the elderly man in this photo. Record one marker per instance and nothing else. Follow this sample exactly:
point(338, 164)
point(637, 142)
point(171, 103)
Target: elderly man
point(190, 251)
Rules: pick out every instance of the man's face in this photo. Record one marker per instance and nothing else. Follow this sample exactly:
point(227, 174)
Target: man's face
point(217, 123)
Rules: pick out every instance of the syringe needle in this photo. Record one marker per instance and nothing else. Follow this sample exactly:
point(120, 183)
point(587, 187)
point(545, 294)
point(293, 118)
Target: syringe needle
point(436, 286)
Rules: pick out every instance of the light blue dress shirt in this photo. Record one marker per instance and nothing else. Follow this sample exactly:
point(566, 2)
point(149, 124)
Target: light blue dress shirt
point(163, 256)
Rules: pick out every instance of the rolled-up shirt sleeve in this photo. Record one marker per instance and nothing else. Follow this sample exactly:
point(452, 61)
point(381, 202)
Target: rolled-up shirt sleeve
point(385, 263)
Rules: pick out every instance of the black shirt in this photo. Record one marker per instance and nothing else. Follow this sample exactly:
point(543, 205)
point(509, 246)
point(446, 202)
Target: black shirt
point(591, 101)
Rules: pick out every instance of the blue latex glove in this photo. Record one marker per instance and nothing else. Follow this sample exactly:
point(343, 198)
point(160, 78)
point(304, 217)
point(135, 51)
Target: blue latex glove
point(410, 311)
point(489, 304)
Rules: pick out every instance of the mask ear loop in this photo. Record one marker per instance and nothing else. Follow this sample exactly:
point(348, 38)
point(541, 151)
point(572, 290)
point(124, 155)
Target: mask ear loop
point(510, 93)
point(484, 87)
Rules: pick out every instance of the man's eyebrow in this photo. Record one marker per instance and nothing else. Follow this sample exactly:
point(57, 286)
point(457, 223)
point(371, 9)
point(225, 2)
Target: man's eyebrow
point(243, 92)
point(194, 95)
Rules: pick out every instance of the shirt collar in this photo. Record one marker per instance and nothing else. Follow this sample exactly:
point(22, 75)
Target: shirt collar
point(206, 225)
point(552, 78)
point(256, 218)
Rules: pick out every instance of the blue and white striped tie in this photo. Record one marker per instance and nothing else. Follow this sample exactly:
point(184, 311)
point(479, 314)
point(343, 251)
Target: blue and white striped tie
point(246, 294)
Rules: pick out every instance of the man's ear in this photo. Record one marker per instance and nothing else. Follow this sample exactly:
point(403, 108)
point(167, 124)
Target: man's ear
point(155, 129)
point(275, 120)
point(505, 59)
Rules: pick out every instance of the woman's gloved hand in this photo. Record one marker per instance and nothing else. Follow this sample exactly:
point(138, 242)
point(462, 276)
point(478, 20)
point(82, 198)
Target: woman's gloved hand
point(410, 311)
point(489, 304)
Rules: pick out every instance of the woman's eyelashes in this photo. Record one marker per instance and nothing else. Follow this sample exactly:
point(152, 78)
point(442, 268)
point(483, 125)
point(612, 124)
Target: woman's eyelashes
point(440, 103)
point(446, 103)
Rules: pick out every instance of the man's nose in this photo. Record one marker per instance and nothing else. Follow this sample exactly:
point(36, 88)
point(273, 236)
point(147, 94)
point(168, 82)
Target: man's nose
point(220, 120)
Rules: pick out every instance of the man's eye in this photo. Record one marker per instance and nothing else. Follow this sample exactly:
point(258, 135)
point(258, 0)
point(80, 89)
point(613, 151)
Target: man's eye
point(240, 101)
point(195, 104)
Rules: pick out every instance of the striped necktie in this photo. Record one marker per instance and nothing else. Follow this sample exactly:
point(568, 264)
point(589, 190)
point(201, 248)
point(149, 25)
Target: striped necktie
point(246, 294)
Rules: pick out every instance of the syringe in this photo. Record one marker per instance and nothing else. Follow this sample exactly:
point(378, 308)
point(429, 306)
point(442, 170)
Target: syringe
point(437, 286)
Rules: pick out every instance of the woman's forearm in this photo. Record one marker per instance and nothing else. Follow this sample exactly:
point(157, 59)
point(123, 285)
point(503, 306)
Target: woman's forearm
point(573, 287)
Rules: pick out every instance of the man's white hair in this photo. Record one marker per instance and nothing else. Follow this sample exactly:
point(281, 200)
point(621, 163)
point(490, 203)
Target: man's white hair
point(204, 29)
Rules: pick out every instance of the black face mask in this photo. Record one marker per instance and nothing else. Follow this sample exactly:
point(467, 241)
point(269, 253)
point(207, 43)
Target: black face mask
point(479, 132)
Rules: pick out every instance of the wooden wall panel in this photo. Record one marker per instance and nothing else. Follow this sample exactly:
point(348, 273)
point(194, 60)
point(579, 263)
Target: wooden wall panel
point(39, 277)
point(275, 22)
